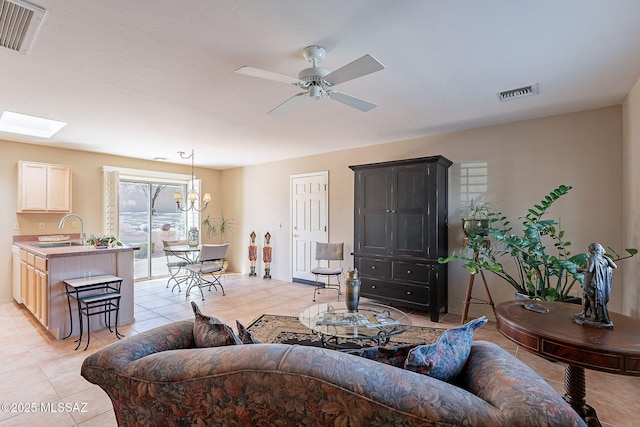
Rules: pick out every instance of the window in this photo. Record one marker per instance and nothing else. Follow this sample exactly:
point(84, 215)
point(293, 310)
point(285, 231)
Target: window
point(140, 210)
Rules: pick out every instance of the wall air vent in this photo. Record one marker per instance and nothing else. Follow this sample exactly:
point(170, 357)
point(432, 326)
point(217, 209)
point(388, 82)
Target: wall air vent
point(520, 92)
point(19, 23)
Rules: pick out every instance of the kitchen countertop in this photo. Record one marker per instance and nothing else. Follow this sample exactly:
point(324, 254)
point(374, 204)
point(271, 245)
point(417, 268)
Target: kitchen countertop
point(27, 243)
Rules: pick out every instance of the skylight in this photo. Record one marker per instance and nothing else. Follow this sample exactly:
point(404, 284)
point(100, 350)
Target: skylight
point(29, 125)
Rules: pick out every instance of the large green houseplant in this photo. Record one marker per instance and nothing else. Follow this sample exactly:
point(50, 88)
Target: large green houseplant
point(544, 267)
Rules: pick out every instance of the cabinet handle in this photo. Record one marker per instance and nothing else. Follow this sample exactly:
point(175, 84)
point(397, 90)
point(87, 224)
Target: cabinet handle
point(408, 292)
point(388, 210)
point(393, 211)
point(409, 272)
point(373, 286)
point(373, 267)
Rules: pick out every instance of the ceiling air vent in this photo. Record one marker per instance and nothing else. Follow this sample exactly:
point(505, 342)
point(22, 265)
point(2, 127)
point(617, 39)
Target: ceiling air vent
point(520, 92)
point(19, 23)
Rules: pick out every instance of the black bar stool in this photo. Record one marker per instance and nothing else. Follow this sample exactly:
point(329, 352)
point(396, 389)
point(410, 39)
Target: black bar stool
point(94, 296)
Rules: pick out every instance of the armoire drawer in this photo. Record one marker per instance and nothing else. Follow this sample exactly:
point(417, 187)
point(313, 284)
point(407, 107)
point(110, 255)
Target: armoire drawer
point(375, 268)
point(405, 271)
point(395, 291)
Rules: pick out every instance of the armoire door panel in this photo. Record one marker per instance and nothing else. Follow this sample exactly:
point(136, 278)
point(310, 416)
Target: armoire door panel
point(374, 233)
point(372, 207)
point(409, 188)
point(410, 235)
point(376, 190)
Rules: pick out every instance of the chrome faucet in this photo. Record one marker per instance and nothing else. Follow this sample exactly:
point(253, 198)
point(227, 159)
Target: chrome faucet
point(64, 218)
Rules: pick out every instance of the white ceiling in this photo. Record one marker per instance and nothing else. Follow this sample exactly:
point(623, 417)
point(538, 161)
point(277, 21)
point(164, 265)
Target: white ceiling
point(148, 78)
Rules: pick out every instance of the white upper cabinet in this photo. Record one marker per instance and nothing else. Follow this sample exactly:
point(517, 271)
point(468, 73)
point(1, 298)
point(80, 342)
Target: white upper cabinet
point(43, 187)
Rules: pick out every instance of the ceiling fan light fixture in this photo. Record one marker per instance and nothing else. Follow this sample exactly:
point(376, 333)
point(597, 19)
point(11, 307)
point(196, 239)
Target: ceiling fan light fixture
point(315, 92)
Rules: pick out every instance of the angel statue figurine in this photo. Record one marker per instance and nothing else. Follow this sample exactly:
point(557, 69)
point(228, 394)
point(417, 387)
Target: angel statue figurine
point(598, 274)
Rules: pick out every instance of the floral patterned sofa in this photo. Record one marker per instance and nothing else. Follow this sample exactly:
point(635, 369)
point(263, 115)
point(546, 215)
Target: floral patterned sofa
point(159, 378)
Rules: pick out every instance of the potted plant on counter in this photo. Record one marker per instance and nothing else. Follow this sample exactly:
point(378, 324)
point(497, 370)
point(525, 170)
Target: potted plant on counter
point(544, 267)
point(102, 242)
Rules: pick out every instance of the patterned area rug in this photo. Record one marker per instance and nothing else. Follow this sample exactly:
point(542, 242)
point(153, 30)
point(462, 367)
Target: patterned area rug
point(270, 328)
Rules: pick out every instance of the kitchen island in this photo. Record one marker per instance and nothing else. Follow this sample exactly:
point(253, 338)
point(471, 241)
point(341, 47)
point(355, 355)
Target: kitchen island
point(44, 266)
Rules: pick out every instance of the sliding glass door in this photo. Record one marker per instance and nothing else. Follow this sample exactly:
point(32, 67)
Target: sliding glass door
point(147, 216)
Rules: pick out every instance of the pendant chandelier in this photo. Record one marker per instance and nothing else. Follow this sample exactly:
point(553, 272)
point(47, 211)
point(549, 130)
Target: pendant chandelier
point(192, 195)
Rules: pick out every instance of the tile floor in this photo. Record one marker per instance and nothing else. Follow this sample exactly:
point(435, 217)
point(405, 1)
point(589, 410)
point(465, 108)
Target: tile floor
point(36, 369)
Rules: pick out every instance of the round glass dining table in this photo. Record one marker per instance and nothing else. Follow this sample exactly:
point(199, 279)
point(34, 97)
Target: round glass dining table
point(184, 252)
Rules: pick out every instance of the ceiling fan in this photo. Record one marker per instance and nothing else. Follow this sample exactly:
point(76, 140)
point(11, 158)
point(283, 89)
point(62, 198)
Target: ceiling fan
point(317, 82)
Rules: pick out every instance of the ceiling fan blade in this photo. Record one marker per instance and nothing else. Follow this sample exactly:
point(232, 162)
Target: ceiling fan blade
point(351, 101)
point(358, 68)
point(289, 103)
point(269, 75)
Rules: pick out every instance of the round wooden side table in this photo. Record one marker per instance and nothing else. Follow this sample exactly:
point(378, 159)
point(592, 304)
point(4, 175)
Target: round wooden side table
point(555, 337)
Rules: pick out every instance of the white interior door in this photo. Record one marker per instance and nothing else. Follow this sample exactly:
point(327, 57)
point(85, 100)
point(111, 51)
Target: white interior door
point(309, 220)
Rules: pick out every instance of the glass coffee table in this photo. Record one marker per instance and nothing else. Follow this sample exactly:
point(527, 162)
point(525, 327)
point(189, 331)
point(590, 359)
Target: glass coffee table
point(372, 322)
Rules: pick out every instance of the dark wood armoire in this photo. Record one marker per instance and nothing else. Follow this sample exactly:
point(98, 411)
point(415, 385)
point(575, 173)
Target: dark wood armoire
point(400, 230)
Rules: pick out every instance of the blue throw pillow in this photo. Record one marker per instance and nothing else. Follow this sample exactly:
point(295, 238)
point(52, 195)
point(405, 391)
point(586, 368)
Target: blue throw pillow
point(395, 356)
point(447, 356)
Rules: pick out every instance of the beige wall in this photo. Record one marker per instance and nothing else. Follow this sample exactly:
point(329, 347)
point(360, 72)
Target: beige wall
point(526, 160)
point(631, 198)
point(87, 193)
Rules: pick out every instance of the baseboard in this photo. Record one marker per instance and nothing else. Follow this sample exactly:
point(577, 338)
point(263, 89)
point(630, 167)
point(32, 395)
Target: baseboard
point(303, 281)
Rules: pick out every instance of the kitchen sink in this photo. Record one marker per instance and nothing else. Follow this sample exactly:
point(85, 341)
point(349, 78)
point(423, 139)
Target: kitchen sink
point(56, 244)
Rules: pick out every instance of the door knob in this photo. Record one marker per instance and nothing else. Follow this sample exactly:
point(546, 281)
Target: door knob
point(294, 235)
